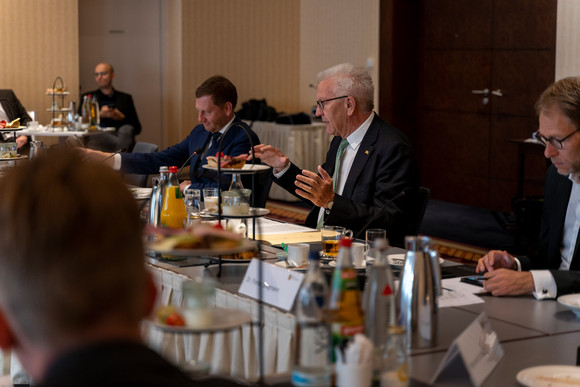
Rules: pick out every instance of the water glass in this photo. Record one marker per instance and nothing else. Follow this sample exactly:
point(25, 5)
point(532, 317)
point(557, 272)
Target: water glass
point(192, 201)
point(210, 200)
point(330, 237)
point(372, 234)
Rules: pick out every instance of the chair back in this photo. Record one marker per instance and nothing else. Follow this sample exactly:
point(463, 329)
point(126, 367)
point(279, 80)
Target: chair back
point(135, 179)
point(262, 184)
point(416, 210)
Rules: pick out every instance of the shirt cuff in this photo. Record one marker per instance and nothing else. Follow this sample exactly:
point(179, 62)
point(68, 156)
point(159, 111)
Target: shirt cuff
point(544, 283)
point(117, 162)
point(282, 172)
point(518, 264)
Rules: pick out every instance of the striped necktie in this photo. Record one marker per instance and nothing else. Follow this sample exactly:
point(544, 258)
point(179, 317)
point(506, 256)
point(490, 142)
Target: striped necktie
point(335, 176)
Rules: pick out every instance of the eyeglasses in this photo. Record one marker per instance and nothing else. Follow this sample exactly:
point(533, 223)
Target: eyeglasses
point(558, 144)
point(322, 102)
point(102, 73)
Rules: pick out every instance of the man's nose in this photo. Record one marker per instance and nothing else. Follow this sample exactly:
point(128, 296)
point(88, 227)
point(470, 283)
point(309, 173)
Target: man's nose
point(319, 112)
point(550, 151)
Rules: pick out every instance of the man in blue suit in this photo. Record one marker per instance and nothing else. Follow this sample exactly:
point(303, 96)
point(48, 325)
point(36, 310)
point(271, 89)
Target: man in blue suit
point(215, 101)
point(369, 162)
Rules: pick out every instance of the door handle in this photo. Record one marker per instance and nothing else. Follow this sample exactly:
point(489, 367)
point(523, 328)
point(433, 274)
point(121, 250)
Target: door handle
point(483, 92)
point(497, 92)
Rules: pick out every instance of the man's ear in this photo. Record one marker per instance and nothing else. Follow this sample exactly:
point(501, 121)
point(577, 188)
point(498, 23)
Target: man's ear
point(229, 108)
point(6, 335)
point(350, 105)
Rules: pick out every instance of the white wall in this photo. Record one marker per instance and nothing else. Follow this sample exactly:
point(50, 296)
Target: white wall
point(568, 39)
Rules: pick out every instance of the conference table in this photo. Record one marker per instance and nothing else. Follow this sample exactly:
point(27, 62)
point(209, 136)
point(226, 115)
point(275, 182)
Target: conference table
point(531, 332)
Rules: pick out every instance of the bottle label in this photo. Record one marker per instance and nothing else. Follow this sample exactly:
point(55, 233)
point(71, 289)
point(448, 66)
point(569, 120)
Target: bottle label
point(345, 280)
point(341, 333)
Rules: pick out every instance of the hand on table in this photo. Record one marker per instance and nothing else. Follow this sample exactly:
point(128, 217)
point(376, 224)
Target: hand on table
point(504, 282)
point(270, 156)
point(316, 188)
point(184, 184)
point(495, 259)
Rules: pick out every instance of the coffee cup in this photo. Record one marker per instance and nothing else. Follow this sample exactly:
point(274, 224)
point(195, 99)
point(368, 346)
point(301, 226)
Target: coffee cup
point(298, 254)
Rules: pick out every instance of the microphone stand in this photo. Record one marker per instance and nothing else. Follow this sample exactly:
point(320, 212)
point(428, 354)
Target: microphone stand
point(195, 152)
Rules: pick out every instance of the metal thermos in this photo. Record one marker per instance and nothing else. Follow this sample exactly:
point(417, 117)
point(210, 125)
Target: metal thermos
point(156, 202)
point(419, 288)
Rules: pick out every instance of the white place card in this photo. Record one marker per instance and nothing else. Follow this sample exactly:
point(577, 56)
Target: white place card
point(477, 350)
point(279, 285)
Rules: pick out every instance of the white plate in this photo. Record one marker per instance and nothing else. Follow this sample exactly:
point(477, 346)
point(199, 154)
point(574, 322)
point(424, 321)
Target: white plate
point(222, 320)
point(399, 259)
point(363, 267)
point(550, 375)
point(572, 302)
point(12, 129)
point(18, 157)
point(244, 246)
point(248, 168)
point(141, 193)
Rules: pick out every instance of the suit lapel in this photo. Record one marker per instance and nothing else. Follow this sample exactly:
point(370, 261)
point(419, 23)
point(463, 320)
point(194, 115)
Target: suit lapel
point(363, 154)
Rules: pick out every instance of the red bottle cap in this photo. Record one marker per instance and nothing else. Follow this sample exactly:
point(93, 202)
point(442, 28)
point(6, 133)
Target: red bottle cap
point(172, 169)
point(346, 242)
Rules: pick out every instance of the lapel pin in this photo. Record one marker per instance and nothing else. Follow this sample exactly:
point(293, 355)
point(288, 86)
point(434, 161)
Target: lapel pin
point(366, 152)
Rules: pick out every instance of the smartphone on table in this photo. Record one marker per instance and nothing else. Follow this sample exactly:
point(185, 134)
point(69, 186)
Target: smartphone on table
point(476, 280)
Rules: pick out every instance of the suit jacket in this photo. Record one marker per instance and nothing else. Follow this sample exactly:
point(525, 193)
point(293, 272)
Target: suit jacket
point(383, 167)
point(120, 363)
point(557, 191)
point(123, 102)
point(13, 107)
point(235, 142)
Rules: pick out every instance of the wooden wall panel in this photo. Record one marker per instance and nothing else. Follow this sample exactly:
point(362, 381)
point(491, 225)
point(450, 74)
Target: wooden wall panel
point(39, 43)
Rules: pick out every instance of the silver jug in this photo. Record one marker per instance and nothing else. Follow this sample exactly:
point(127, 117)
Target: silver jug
point(37, 148)
point(156, 202)
point(420, 286)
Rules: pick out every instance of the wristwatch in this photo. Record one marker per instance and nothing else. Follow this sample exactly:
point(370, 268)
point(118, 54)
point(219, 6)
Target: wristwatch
point(329, 207)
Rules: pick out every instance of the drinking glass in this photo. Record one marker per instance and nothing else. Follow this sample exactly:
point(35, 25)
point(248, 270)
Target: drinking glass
point(192, 201)
point(372, 234)
point(330, 237)
point(210, 200)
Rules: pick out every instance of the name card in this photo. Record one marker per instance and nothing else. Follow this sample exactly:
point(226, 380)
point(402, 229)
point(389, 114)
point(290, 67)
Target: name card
point(279, 285)
point(477, 350)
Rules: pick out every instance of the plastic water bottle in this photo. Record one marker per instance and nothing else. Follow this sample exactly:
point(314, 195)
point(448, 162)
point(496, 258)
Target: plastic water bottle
point(379, 304)
point(312, 363)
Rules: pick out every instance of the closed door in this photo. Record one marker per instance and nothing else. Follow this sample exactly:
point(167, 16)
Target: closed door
point(481, 67)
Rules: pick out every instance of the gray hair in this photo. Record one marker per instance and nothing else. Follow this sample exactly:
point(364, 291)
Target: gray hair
point(351, 80)
point(565, 95)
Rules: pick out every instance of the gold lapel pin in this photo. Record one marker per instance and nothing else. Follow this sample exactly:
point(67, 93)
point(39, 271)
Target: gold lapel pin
point(366, 152)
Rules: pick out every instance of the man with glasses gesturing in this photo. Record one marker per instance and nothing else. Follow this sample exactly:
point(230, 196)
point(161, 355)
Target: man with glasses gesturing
point(555, 269)
point(368, 164)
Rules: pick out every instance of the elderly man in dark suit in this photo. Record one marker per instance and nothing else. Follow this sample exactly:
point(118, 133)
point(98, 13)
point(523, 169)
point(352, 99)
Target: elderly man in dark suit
point(215, 101)
point(11, 109)
point(368, 164)
point(554, 269)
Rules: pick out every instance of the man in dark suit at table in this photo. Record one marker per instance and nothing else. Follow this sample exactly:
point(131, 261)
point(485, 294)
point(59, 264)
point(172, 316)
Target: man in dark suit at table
point(215, 100)
point(555, 269)
point(375, 161)
point(73, 284)
point(11, 109)
point(117, 110)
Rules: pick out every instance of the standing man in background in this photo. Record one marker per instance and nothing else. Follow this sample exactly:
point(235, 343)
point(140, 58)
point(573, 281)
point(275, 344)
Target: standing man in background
point(11, 109)
point(116, 109)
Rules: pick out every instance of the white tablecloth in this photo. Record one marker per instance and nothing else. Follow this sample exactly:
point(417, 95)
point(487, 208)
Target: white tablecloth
point(234, 352)
point(305, 145)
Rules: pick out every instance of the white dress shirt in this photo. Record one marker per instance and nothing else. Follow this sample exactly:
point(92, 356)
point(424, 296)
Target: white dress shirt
point(545, 285)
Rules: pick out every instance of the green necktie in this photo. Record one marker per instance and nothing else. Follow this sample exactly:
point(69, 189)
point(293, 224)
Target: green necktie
point(335, 175)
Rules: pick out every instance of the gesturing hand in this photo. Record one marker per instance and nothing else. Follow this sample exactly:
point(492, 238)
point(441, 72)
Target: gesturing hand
point(314, 187)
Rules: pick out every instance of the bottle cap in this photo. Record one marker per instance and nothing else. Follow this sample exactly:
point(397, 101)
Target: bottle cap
point(346, 242)
point(172, 169)
point(314, 256)
point(164, 168)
